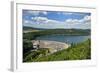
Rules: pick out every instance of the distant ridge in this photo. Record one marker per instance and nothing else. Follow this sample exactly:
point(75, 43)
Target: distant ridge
point(33, 28)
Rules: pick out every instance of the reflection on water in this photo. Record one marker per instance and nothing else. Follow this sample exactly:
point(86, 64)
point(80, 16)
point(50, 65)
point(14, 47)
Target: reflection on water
point(64, 38)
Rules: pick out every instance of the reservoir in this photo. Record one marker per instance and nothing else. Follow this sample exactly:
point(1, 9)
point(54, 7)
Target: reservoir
point(64, 38)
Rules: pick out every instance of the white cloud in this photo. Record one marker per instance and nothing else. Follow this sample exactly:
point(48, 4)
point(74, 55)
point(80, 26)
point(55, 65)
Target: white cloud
point(87, 17)
point(44, 22)
point(26, 21)
point(84, 23)
point(40, 18)
point(33, 12)
point(71, 13)
point(37, 12)
point(65, 13)
point(44, 12)
point(74, 21)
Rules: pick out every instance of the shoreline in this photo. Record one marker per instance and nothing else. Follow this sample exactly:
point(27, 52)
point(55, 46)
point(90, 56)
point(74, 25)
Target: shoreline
point(53, 46)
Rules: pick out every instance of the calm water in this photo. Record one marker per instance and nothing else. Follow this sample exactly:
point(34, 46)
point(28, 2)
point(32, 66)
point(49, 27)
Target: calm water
point(64, 38)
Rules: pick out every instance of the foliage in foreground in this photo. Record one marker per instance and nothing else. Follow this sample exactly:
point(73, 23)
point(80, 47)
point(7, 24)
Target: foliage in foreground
point(78, 51)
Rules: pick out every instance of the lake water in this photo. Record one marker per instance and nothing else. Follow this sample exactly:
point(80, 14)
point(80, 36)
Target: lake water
point(64, 38)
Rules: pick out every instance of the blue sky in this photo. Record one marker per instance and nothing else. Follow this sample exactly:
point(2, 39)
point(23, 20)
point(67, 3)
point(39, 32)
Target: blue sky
point(56, 19)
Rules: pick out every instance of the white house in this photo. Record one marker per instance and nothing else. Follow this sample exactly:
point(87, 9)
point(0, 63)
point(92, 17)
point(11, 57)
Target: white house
point(36, 44)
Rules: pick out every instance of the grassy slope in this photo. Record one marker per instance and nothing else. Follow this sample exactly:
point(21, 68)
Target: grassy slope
point(75, 52)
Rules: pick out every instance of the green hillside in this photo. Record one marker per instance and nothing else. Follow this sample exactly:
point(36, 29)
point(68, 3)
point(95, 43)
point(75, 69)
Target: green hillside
point(79, 51)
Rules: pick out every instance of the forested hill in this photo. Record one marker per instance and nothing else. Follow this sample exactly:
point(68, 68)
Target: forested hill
point(33, 32)
point(67, 31)
point(31, 28)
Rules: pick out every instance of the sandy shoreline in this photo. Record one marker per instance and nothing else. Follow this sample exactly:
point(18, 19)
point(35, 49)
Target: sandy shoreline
point(53, 46)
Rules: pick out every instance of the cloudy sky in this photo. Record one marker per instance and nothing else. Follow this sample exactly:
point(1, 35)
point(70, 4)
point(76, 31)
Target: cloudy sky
point(53, 19)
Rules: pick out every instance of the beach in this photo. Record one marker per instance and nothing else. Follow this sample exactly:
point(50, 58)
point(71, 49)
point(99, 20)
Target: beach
point(53, 46)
